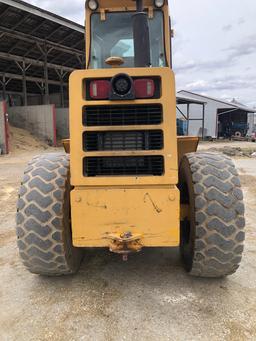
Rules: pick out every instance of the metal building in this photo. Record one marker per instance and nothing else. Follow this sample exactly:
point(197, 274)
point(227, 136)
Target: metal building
point(221, 118)
point(38, 50)
point(184, 118)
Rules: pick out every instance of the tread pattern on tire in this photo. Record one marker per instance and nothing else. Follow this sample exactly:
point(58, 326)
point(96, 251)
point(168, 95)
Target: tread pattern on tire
point(219, 215)
point(43, 240)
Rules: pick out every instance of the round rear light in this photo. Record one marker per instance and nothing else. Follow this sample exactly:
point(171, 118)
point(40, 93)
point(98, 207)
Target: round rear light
point(93, 5)
point(159, 3)
point(121, 84)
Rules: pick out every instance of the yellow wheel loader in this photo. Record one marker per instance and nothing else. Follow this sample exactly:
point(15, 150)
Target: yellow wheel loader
point(126, 181)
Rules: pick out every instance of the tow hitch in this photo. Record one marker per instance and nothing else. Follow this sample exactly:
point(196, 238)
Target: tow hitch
point(125, 243)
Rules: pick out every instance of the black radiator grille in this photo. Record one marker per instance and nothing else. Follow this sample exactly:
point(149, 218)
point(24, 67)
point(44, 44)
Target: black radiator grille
point(123, 165)
point(120, 115)
point(123, 140)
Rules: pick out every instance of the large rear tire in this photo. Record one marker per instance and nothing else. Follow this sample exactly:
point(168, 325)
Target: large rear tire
point(212, 237)
point(43, 217)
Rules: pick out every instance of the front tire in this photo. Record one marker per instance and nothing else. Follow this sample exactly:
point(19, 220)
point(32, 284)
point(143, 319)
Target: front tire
point(43, 217)
point(212, 236)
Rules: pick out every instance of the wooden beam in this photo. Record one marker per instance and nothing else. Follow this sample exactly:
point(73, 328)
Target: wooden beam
point(34, 62)
point(31, 79)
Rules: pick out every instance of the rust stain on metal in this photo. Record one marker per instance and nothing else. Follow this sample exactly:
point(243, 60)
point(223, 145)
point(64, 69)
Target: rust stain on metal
point(115, 223)
point(158, 210)
point(97, 206)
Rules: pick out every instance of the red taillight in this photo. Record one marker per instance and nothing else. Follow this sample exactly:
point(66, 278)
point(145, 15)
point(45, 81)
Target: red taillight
point(99, 89)
point(144, 88)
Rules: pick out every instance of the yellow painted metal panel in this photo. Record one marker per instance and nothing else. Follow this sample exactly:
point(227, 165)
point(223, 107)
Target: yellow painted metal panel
point(168, 102)
point(146, 206)
point(187, 144)
point(152, 213)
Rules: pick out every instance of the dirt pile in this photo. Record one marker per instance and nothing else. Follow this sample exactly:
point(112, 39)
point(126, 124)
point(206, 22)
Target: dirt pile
point(233, 151)
point(238, 151)
point(22, 141)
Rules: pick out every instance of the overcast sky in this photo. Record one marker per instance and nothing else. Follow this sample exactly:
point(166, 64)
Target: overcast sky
point(214, 45)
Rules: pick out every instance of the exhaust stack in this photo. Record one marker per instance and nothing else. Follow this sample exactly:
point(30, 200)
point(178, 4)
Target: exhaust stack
point(141, 36)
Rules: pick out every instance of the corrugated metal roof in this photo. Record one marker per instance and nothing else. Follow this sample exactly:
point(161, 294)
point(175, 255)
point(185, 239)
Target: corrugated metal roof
point(182, 99)
point(24, 6)
point(231, 104)
point(26, 32)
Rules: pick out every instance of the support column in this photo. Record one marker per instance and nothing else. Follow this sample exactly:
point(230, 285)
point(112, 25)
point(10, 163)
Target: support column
point(41, 88)
point(62, 93)
point(61, 74)
point(188, 118)
point(3, 83)
point(24, 85)
point(45, 52)
point(23, 67)
point(203, 122)
point(47, 97)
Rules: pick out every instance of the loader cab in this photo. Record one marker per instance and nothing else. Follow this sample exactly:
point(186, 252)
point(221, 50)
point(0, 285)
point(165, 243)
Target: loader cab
point(110, 33)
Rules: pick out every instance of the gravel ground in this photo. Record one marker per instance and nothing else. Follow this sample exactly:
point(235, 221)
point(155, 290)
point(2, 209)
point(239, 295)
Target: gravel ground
point(148, 298)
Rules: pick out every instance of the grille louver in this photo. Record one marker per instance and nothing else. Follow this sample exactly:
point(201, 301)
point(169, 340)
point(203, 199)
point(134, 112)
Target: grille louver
point(123, 165)
point(123, 140)
point(120, 115)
